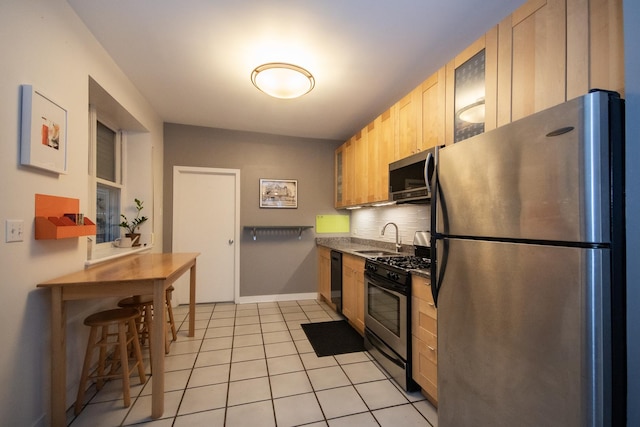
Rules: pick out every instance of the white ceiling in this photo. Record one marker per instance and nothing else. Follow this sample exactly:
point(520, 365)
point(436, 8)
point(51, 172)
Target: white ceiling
point(192, 59)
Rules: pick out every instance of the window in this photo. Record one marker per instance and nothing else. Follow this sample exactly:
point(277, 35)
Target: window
point(116, 141)
point(106, 153)
point(108, 180)
point(107, 213)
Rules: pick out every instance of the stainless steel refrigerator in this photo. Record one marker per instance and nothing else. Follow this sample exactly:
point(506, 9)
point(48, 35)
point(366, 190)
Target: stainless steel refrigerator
point(528, 270)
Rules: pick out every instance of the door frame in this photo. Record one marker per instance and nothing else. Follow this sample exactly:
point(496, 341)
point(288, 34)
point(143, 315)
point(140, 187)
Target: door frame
point(177, 170)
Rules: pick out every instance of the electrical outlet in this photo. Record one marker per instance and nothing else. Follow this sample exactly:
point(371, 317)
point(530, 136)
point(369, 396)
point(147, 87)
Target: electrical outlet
point(14, 230)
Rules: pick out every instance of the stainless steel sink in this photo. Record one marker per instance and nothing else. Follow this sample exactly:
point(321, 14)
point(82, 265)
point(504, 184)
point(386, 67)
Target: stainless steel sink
point(376, 252)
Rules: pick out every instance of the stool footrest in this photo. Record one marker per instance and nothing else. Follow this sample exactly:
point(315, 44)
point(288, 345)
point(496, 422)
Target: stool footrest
point(117, 360)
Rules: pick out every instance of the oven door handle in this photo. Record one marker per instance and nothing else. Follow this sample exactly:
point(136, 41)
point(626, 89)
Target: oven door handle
point(382, 283)
point(380, 347)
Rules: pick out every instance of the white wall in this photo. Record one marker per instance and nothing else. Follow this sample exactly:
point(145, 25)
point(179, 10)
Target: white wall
point(43, 43)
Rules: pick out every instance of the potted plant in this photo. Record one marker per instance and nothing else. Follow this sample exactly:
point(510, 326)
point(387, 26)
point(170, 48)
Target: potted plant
point(132, 226)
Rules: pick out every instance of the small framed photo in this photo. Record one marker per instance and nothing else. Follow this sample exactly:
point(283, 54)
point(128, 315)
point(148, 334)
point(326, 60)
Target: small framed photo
point(43, 132)
point(279, 193)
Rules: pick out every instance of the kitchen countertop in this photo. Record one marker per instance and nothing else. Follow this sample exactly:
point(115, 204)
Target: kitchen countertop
point(351, 246)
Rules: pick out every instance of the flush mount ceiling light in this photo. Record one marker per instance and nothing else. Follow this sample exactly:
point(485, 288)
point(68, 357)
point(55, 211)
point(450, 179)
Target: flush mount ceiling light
point(282, 80)
point(473, 113)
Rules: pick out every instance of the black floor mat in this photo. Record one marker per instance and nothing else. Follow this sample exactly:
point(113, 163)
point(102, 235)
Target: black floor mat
point(330, 338)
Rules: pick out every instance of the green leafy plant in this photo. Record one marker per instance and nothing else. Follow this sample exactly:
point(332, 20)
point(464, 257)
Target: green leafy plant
point(137, 221)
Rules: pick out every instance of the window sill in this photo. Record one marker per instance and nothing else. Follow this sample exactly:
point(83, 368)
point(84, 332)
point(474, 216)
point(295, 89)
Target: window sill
point(109, 253)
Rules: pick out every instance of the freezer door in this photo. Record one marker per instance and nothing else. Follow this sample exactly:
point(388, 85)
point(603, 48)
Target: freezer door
point(545, 177)
point(520, 336)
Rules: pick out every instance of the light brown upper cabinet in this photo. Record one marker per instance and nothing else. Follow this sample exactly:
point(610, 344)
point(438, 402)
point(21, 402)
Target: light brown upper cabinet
point(338, 181)
point(543, 54)
point(432, 94)
point(361, 157)
point(606, 43)
point(373, 177)
point(533, 54)
point(408, 109)
point(345, 171)
point(362, 163)
point(488, 45)
point(385, 126)
point(420, 117)
point(552, 51)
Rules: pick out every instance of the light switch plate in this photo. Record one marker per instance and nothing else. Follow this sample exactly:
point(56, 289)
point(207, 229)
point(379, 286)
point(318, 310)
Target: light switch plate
point(14, 230)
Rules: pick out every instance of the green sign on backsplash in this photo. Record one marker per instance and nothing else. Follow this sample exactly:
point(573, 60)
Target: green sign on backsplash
point(332, 223)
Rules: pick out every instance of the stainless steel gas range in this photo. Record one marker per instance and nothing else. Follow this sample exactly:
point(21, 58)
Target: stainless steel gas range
point(388, 312)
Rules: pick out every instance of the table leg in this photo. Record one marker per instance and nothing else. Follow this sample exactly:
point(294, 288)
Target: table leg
point(192, 300)
point(157, 350)
point(58, 359)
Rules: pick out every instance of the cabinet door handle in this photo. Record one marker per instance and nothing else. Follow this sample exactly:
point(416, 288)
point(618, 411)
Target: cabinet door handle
point(231, 241)
point(431, 348)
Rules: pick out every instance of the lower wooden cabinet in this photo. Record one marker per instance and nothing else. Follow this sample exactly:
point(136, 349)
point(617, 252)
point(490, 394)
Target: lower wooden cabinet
point(424, 327)
point(324, 274)
point(353, 290)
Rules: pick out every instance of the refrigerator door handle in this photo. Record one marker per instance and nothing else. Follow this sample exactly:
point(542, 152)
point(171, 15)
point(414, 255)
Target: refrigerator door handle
point(434, 231)
point(438, 267)
point(428, 171)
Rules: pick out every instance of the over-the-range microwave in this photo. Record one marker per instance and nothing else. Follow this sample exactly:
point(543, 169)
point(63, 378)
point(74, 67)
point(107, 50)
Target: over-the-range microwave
point(410, 178)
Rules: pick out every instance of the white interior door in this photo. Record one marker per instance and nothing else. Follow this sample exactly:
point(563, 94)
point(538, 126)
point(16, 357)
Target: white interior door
point(205, 217)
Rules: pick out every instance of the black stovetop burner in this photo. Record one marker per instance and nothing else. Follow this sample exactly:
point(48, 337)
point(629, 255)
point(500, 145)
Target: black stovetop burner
point(405, 262)
point(398, 268)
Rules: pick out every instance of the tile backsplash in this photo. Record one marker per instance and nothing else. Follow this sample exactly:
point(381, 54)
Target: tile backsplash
point(367, 223)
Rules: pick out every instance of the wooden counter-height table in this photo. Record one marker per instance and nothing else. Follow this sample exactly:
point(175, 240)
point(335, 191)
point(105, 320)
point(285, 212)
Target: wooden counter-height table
point(139, 274)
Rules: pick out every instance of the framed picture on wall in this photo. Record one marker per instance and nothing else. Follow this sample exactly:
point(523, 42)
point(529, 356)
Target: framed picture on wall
point(43, 132)
point(279, 193)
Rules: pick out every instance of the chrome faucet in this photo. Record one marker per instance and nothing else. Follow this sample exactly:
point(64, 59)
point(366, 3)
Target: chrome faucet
point(398, 246)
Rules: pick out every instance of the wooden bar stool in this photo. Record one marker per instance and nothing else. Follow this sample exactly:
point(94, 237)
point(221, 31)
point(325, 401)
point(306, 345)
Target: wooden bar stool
point(118, 362)
point(144, 303)
point(170, 320)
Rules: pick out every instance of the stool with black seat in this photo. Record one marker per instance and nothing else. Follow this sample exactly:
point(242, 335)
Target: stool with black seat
point(123, 341)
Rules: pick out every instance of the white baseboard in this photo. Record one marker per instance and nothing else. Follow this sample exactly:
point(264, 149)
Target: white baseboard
point(276, 298)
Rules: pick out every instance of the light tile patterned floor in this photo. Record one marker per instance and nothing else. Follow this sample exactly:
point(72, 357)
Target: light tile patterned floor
point(252, 365)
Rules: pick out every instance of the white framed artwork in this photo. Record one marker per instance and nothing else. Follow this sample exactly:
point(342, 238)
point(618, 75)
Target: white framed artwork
point(43, 132)
point(279, 193)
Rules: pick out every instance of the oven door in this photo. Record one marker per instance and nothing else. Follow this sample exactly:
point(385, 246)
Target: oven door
point(386, 312)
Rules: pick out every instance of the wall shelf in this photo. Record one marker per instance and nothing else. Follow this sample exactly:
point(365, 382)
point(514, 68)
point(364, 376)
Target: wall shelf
point(51, 222)
point(291, 228)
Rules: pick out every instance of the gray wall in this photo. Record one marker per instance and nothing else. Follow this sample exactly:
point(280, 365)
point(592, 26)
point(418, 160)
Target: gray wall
point(277, 263)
